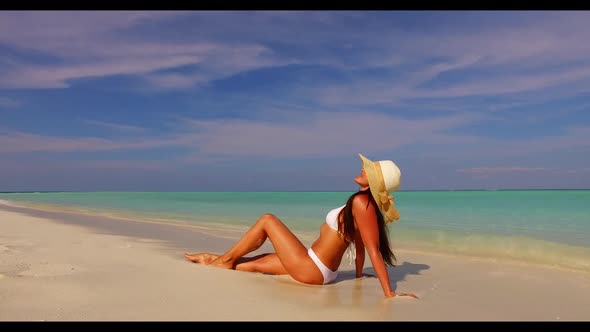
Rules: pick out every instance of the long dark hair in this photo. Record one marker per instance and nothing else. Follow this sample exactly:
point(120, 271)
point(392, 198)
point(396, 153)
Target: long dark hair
point(347, 226)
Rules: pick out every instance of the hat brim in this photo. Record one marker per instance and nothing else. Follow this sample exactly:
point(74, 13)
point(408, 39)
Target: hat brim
point(375, 187)
point(373, 177)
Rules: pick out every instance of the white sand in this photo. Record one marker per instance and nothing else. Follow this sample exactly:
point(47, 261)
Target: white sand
point(50, 270)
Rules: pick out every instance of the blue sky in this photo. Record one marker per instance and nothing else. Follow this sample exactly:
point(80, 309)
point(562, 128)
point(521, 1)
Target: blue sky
point(284, 101)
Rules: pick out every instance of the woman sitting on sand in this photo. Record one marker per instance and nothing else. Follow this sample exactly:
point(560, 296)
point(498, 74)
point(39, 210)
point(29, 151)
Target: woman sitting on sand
point(360, 221)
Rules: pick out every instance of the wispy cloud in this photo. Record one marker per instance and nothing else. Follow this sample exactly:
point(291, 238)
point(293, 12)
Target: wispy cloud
point(42, 164)
point(494, 170)
point(116, 126)
point(91, 46)
point(14, 141)
point(173, 81)
point(63, 32)
point(9, 102)
point(520, 169)
point(120, 164)
point(514, 58)
point(34, 76)
point(324, 134)
point(569, 140)
point(380, 90)
point(221, 62)
point(571, 137)
point(316, 135)
point(99, 44)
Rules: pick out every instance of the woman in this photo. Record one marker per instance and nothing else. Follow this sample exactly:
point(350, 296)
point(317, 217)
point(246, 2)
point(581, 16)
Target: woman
point(362, 221)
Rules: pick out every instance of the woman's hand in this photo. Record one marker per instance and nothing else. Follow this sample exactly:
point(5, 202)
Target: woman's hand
point(393, 294)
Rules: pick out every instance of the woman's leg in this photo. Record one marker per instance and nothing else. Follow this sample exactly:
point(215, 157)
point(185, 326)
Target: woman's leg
point(289, 250)
point(265, 263)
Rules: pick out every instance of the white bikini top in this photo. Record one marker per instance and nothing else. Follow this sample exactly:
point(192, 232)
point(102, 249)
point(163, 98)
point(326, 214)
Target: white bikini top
point(332, 218)
point(332, 221)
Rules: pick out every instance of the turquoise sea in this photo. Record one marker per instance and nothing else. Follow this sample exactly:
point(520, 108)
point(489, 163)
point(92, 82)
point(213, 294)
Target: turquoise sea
point(549, 227)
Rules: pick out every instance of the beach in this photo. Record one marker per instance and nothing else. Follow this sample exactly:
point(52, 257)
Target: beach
point(65, 266)
point(455, 142)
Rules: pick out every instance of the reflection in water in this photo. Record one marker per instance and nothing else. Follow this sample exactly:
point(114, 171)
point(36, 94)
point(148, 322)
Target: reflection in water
point(363, 295)
point(357, 293)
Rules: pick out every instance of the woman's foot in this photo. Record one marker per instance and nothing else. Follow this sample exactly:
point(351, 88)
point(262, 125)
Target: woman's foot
point(201, 258)
point(222, 262)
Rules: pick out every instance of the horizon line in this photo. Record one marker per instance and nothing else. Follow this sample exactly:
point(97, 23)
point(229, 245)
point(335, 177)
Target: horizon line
point(274, 191)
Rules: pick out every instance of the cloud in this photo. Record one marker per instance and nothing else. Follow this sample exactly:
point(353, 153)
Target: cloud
point(100, 44)
point(494, 170)
point(172, 81)
point(19, 142)
point(63, 32)
point(520, 169)
point(45, 166)
point(508, 84)
point(323, 134)
point(301, 135)
point(316, 135)
point(572, 137)
point(9, 102)
point(220, 61)
point(58, 76)
point(91, 45)
point(378, 90)
point(519, 56)
point(571, 141)
point(294, 135)
point(120, 164)
point(116, 127)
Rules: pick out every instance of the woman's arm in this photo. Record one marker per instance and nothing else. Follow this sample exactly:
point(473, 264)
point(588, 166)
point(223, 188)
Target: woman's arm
point(360, 254)
point(366, 220)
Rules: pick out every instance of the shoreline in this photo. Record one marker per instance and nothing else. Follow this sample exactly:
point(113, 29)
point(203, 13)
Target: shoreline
point(73, 267)
point(234, 232)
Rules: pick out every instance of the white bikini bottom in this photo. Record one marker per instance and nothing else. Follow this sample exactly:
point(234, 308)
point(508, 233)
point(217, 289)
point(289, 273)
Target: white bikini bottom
point(328, 274)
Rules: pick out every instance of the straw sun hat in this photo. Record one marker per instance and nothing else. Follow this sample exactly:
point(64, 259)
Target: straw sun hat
point(384, 177)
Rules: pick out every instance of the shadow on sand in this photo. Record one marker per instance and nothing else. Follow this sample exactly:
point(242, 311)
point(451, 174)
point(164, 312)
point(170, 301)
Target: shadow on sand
point(396, 274)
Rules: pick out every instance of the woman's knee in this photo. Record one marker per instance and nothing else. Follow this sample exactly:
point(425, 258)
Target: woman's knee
point(246, 267)
point(306, 278)
point(307, 274)
point(269, 217)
